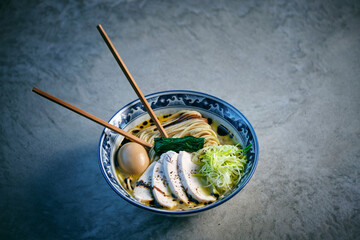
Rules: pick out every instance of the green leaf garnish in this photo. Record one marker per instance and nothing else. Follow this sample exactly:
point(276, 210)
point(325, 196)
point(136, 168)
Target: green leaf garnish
point(188, 143)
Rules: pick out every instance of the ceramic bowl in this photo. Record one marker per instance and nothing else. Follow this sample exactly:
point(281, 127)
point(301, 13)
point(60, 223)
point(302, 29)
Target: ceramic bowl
point(169, 101)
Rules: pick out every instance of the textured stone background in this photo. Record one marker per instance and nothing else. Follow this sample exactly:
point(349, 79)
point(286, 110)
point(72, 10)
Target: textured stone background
point(292, 67)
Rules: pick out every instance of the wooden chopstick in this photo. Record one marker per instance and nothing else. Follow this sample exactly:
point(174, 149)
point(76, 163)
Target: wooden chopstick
point(131, 80)
point(91, 117)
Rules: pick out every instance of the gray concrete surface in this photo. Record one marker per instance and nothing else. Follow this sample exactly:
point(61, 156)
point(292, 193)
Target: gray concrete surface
point(292, 67)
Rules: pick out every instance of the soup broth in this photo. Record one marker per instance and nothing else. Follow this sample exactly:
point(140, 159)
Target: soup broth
point(128, 182)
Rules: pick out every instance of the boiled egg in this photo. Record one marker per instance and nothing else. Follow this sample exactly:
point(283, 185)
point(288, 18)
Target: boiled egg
point(133, 158)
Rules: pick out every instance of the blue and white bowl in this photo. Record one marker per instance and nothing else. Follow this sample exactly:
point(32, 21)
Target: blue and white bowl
point(170, 101)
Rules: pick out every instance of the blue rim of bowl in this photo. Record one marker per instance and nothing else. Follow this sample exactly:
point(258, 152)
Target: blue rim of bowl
point(196, 210)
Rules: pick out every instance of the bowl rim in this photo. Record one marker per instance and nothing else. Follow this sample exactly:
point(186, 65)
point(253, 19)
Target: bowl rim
point(196, 210)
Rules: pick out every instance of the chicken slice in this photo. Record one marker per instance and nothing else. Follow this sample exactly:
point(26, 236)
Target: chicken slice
point(192, 184)
point(160, 189)
point(172, 176)
point(142, 190)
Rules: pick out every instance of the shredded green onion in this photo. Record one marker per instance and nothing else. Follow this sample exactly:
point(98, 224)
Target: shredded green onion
point(222, 166)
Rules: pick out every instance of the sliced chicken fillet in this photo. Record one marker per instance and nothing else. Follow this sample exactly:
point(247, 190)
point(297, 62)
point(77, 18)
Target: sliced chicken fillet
point(160, 189)
point(142, 190)
point(170, 161)
point(192, 184)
